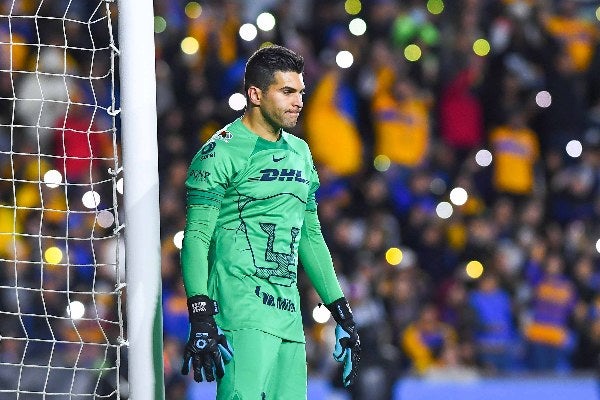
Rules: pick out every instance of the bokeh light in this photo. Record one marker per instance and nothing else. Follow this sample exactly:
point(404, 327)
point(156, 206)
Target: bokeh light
point(321, 314)
point(412, 52)
point(120, 185)
point(352, 7)
point(265, 21)
point(357, 27)
point(574, 148)
point(53, 255)
point(598, 245)
point(105, 218)
point(458, 196)
point(483, 158)
point(52, 178)
point(474, 269)
point(437, 186)
point(444, 210)
point(160, 24)
point(435, 6)
point(543, 99)
point(248, 32)
point(598, 13)
point(90, 199)
point(193, 10)
point(344, 59)
point(75, 309)
point(393, 256)
point(178, 240)
point(481, 47)
point(237, 101)
point(190, 45)
point(382, 163)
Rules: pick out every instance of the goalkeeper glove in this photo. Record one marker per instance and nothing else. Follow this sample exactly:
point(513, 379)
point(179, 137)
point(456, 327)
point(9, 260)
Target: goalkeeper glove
point(347, 342)
point(207, 347)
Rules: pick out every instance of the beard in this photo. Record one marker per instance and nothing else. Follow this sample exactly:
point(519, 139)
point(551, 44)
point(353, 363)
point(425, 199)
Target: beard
point(281, 119)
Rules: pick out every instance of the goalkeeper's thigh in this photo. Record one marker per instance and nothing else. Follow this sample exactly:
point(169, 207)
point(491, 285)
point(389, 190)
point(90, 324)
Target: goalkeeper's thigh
point(263, 367)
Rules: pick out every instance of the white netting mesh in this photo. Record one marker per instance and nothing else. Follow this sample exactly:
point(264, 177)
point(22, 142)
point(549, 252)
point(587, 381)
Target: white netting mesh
point(60, 274)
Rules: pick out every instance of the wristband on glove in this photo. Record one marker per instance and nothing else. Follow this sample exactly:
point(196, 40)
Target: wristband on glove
point(347, 342)
point(207, 347)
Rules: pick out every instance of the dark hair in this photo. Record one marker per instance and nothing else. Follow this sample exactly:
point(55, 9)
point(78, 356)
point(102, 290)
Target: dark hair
point(262, 65)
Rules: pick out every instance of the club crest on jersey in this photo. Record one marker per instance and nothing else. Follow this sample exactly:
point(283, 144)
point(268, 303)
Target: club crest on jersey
point(283, 174)
point(223, 135)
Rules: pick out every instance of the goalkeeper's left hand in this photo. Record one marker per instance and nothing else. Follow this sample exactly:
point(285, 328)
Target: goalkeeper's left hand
point(347, 342)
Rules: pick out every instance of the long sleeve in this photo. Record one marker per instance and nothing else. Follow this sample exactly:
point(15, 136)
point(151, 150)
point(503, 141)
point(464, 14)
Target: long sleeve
point(316, 259)
point(200, 225)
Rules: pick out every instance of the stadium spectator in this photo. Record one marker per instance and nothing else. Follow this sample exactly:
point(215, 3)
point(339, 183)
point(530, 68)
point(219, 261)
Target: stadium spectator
point(496, 334)
point(548, 334)
point(515, 149)
point(426, 340)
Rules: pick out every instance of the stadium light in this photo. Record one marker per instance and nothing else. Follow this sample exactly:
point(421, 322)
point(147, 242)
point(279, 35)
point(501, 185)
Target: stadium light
point(160, 24)
point(75, 309)
point(90, 199)
point(574, 148)
point(481, 47)
point(52, 178)
point(178, 240)
point(105, 218)
point(53, 255)
point(435, 7)
point(190, 45)
point(474, 269)
point(458, 196)
point(193, 10)
point(382, 163)
point(344, 59)
point(237, 101)
point(437, 186)
point(412, 52)
point(393, 256)
point(321, 314)
point(265, 21)
point(444, 210)
point(543, 99)
point(483, 158)
point(248, 32)
point(352, 7)
point(357, 27)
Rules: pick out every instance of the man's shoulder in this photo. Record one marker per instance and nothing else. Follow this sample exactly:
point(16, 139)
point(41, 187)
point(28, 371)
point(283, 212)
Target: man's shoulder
point(228, 142)
point(296, 142)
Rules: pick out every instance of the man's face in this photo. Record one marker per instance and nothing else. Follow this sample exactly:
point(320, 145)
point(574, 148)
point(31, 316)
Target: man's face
point(281, 102)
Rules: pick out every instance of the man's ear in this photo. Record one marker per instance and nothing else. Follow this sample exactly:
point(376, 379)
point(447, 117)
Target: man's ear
point(254, 95)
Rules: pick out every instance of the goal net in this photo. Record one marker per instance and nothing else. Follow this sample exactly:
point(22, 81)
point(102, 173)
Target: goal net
point(61, 274)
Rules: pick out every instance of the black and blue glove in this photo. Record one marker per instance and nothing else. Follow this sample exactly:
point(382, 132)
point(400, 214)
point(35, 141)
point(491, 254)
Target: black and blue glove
point(207, 347)
point(347, 342)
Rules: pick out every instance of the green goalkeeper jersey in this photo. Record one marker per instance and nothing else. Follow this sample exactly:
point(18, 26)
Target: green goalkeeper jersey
point(261, 191)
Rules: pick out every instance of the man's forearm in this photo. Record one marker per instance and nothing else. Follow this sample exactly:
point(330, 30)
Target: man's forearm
point(200, 225)
point(316, 259)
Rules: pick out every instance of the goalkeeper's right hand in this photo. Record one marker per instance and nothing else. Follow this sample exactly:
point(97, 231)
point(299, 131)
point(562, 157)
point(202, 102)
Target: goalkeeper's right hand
point(207, 347)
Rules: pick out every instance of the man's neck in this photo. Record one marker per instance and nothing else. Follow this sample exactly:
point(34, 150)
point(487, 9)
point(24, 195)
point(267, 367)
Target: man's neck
point(260, 127)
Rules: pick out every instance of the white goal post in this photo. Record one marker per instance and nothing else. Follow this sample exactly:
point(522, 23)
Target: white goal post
point(80, 284)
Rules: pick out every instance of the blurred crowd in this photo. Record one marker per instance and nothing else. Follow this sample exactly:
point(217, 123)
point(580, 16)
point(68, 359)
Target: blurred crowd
point(506, 280)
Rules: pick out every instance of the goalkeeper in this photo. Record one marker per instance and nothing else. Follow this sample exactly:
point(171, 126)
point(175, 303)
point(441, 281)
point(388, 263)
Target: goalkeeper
point(251, 213)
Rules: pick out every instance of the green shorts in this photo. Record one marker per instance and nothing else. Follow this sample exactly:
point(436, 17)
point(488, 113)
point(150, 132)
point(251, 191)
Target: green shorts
point(264, 367)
